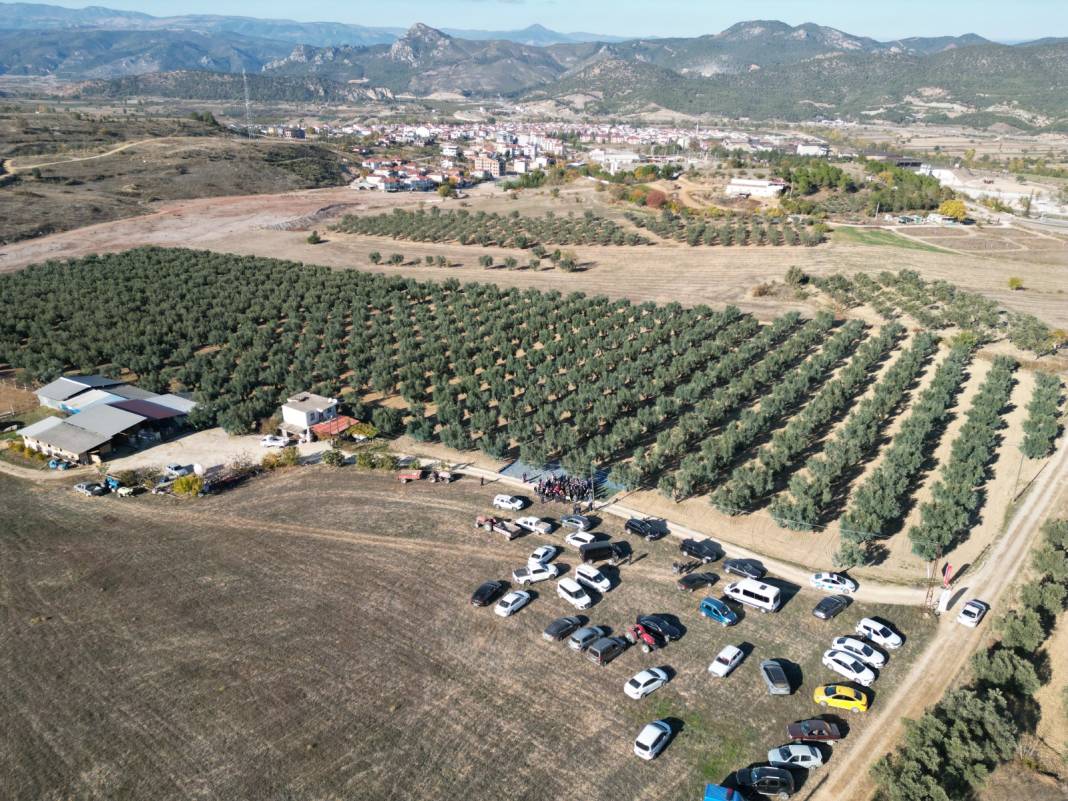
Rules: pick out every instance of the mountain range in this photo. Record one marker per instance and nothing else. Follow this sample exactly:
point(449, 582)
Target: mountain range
point(759, 69)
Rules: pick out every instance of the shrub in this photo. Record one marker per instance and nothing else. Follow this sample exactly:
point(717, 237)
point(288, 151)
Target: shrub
point(333, 458)
point(314, 238)
point(188, 486)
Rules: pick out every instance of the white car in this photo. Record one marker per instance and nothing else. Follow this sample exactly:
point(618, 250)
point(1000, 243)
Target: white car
point(173, 471)
point(273, 441)
point(972, 613)
point(845, 664)
point(652, 739)
point(645, 683)
point(532, 574)
point(579, 538)
point(833, 582)
point(572, 592)
point(511, 603)
point(796, 755)
point(860, 649)
point(508, 502)
point(591, 577)
point(879, 633)
point(542, 555)
point(726, 661)
point(535, 525)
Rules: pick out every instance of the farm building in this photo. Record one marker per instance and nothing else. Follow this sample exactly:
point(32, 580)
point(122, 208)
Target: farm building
point(301, 413)
point(104, 413)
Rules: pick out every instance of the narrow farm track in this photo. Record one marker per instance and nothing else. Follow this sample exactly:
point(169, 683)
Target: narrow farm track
point(942, 664)
point(16, 167)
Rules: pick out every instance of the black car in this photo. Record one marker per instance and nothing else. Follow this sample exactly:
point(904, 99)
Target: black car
point(705, 550)
point(600, 550)
point(487, 592)
point(747, 568)
point(777, 782)
point(562, 628)
point(659, 624)
point(830, 606)
point(646, 529)
point(695, 581)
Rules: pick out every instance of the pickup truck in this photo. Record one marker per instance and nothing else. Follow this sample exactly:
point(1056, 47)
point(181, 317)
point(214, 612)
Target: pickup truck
point(505, 528)
point(535, 525)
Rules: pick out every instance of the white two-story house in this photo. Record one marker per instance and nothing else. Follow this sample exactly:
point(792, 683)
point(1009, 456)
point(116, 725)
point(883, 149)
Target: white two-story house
point(304, 411)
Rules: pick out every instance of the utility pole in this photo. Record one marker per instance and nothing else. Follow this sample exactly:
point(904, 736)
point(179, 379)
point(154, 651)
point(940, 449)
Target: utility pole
point(248, 105)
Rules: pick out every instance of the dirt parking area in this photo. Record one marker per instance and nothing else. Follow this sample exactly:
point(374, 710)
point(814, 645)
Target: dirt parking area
point(309, 635)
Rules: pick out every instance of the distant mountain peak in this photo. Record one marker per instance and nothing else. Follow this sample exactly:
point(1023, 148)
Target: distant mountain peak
point(419, 43)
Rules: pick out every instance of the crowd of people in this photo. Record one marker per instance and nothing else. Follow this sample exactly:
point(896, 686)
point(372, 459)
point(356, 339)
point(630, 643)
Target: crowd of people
point(565, 489)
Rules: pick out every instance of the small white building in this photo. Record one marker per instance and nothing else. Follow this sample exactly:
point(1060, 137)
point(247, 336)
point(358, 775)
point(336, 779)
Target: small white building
point(301, 412)
point(820, 150)
point(754, 187)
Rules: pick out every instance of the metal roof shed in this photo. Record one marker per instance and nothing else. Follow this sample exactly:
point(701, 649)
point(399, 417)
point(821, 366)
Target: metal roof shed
point(88, 399)
point(71, 439)
point(59, 390)
point(147, 409)
point(106, 420)
point(34, 429)
point(184, 405)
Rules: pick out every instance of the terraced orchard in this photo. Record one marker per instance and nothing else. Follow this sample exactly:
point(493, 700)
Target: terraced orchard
point(691, 401)
point(733, 230)
point(489, 228)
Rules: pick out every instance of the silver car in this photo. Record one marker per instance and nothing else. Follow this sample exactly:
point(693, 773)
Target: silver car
point(585, 637)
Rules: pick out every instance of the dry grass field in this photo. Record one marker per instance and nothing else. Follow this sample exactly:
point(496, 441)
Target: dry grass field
point(309, 636)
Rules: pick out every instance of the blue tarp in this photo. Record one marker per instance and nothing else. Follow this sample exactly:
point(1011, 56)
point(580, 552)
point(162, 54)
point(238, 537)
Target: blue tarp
point(714, 792)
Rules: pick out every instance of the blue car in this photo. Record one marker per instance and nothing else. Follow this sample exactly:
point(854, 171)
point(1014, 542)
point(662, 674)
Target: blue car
point(718, 611)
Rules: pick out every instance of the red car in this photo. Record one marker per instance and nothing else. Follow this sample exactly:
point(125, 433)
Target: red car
point(816, 730)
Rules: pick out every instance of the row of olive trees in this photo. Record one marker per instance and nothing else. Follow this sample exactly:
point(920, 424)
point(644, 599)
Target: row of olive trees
point(949, 752)
point(825, 477)
point(1042, 426)
point(756, 480)
point(880, 501)
point(956, 497)
point(696, 231)
point(716, 454)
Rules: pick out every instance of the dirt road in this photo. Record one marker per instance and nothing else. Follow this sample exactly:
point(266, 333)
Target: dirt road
point(948, 654)
point(15, 167)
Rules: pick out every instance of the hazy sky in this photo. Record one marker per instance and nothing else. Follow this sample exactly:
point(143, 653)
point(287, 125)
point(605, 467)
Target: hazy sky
point(890, 19)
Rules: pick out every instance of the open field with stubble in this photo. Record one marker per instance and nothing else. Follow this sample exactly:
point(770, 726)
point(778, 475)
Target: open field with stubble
point(309, 636)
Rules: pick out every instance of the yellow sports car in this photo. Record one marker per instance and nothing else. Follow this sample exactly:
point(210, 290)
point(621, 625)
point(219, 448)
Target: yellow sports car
point(841, 696)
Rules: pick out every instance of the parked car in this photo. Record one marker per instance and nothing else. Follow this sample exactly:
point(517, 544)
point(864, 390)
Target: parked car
point(572, 592)
point(585, 637)
point(273, 441)
point(747, 568)
point(879, 633)
point(726, 661)
point(830, 606)
point(706, 550)
point(509, 502)
point(580, 522)
point(848, 666)
point(652, 739)
point(661, 625)
point(861, 650)
point(512, 602)
point(833, 582)
point(841, 696)
point(645, 529)
point(90, 489)
point(645, 683)
point(605, 649)
point(820, 731)
point(972, 613)
point(696, 581)
point(770, 781)
point(561, 628)
point(579, 538)
point(533, 573)
point(796, 755)
point(774, 675)
point(535, 525)
point(487, 592)
point(602, 550)
point(717, 610)
point(543, 554)
point(591, 577)
point(173, 471)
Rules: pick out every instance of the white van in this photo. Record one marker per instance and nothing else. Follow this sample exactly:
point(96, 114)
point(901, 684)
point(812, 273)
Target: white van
point(754, 593)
